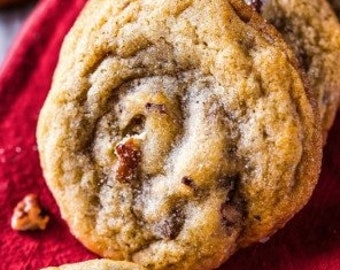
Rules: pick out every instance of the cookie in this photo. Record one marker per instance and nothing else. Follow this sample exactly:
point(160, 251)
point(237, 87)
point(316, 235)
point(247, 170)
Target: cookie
point(98, 264)
point(176, 132)
point(313, 31)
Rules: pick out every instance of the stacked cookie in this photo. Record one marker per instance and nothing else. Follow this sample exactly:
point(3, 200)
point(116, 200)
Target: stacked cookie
point(177, 132)
point(312, 31)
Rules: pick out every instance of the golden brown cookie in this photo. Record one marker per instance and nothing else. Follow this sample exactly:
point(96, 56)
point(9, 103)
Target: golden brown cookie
point(176, 132)
point(98, 264)
point(313, 31)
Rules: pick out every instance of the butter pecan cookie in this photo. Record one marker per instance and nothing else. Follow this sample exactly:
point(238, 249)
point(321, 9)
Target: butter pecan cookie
point(312, 30)
point(98, 264)
point(176, 132)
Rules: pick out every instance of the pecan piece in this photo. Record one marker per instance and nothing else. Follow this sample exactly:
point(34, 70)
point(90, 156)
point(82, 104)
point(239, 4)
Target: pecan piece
point(170, 227)
point(187, 181)
point(155, 107)
point(230, 215)
point(28, 215)
point(129, 157)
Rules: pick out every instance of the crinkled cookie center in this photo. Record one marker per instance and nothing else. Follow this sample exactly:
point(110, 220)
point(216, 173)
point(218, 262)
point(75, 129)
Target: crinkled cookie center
point(168, 151)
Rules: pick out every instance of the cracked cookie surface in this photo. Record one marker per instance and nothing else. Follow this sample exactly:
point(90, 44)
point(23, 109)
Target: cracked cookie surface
point(176, 132)
point(313, 31)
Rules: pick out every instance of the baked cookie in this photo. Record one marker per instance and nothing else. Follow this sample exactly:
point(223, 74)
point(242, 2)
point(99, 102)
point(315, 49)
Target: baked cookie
point(176, 132)
point(313, 31)
point(98, 264)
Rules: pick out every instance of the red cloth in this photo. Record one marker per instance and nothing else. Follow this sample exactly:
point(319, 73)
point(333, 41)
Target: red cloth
point(310, 241)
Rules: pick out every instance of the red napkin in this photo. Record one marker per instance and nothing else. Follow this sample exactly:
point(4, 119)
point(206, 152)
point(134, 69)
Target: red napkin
point(310, 241)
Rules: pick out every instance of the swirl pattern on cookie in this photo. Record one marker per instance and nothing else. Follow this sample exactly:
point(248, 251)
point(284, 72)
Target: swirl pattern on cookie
point(177, 131)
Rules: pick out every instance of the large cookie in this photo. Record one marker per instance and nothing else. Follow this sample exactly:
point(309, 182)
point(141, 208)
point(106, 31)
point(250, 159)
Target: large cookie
point(313, 31)
point(176, 132)
point(98, 264)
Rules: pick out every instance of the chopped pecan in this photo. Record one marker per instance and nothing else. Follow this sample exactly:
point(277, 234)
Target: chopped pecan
point(155, 107)
point(229, 182)
point(230, 215)
point(28, 215)
point(129, 157)
point(233, 210)
point(170, 227)
point(187, 181)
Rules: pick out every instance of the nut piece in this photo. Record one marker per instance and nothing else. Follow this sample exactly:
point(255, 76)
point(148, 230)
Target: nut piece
point(155, 107)
point(129, 157)
point(28, 215)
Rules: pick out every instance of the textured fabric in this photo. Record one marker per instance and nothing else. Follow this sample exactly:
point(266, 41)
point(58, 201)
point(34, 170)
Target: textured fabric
point(310, 241)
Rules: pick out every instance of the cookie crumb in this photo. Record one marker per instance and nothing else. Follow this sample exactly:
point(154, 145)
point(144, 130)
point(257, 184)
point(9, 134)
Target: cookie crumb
point(28, 215)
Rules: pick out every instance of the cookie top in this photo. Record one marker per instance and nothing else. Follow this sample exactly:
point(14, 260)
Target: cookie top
point(177, 131)
point(313, 31)
point(98, 264)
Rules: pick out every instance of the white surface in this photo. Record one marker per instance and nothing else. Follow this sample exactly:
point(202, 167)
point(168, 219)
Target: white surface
point(10, 22)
